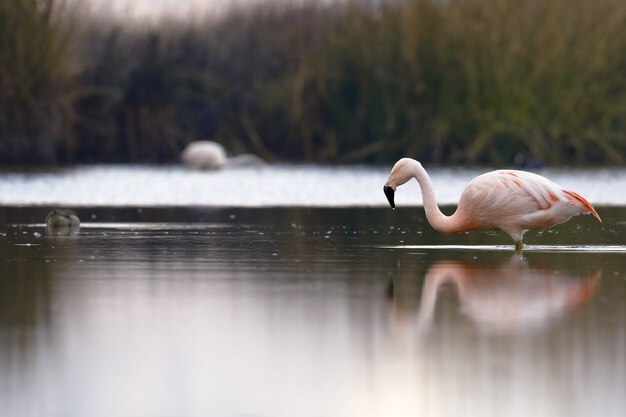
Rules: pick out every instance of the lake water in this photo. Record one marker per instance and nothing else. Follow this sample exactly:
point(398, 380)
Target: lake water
point(295, 290)
point(287, 311)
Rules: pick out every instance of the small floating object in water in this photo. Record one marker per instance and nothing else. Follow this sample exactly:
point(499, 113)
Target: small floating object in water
point(509, 200)
point(209, 155)
point(60, 219)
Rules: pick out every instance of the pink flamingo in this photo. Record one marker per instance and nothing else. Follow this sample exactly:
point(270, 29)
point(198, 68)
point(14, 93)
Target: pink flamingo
point(509, 200)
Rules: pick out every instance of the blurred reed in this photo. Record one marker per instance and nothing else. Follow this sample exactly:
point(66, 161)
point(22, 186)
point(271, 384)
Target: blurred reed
point(37, 84)
point(472, 81)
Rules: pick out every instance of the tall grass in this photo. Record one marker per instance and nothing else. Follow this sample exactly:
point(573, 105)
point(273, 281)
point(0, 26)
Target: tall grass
point(480, 81)
point(542, 77)
point(460, 81)
point(36, 83)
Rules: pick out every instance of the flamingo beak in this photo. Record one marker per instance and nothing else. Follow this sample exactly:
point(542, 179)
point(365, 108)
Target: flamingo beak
point(389, 192)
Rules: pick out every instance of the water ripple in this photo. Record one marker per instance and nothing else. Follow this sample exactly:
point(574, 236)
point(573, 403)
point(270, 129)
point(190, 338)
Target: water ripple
point(527, 248)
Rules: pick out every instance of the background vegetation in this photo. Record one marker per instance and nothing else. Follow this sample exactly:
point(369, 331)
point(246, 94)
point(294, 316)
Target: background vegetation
point(458, 81)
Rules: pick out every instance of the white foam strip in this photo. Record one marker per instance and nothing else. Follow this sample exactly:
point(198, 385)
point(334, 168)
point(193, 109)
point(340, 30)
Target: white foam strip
point(276, 185)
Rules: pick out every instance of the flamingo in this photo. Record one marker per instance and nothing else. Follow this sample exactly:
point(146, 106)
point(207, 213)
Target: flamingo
point(205, 155)
point(510, 200)
point(208, 155)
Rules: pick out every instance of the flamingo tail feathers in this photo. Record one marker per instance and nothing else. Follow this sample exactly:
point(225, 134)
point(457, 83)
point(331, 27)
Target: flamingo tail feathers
point(585, 203)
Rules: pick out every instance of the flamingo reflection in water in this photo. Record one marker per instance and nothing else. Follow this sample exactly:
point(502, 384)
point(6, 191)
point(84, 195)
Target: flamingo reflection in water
point(506, 297)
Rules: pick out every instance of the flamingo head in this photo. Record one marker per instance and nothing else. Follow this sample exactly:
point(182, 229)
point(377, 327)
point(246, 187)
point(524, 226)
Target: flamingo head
point(401, 172)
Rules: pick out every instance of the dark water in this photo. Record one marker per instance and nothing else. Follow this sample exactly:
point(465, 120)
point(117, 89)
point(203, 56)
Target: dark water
point(308, 312)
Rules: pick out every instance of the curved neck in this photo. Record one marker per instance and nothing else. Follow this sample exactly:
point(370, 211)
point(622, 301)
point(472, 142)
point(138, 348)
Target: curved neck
point(434, 278)
point(438, 220)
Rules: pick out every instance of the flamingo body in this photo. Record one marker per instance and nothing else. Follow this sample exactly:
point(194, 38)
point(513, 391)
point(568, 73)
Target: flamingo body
point(205, 155)
point(510, 200)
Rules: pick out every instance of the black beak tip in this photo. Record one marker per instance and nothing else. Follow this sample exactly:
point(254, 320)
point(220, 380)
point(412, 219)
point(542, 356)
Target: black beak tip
point(389, 193)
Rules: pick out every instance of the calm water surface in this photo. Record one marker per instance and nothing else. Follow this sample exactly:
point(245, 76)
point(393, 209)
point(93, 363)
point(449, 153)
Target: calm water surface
point(308, 312)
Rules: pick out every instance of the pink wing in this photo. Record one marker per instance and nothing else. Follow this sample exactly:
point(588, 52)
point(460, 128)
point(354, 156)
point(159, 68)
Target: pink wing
point(545, 193)
point(516, 191)
point(505, 196)
point(539, 191)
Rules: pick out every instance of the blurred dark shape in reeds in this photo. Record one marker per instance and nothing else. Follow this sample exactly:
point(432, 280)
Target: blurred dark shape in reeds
point(472, 81)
